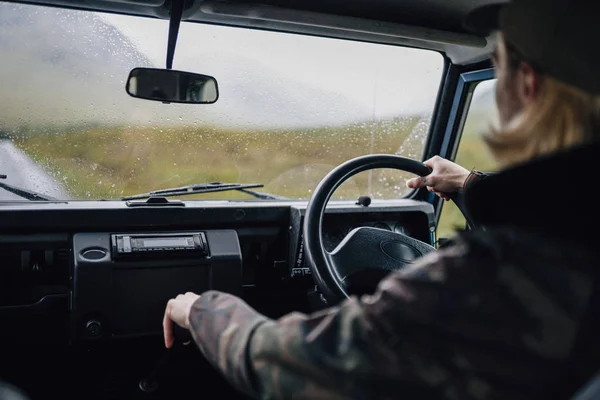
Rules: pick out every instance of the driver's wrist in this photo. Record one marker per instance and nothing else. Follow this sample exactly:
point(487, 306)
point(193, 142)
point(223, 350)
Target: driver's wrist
point(460, 181)
point(474, 176)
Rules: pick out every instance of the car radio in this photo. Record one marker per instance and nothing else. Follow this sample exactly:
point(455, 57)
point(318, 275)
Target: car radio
point(141, 244)
point(122, 281)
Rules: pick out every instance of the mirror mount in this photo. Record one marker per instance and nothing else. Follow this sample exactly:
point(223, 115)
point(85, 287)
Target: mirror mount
point(168, 85)
point(174, 22)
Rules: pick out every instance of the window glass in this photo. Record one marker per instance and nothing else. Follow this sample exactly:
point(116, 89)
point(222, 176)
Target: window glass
point(291, 107)
point(472, 151)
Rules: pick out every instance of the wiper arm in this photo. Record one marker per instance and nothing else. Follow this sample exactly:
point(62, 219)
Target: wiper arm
point(207, 188)
point(24, 193)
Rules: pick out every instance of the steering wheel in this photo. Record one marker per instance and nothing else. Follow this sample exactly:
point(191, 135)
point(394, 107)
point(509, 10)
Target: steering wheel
point(364, 249)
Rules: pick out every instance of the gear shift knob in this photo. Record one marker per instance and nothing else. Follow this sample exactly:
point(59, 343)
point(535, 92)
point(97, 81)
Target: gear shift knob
point(150, 383)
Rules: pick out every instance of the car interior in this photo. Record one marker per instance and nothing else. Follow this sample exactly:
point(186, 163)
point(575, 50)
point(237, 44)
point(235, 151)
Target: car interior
point(153, 147)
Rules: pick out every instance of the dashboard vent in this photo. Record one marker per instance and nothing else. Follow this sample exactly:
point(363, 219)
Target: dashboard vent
point(62, 259)
point(44, 266)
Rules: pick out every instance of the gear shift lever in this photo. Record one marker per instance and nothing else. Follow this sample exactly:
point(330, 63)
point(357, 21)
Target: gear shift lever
point(150, 383)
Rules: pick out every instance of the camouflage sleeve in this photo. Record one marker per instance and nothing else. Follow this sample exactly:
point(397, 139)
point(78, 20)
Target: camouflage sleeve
point(222, 326)
point(339, 353)
point(299, 356)
point(451, 326)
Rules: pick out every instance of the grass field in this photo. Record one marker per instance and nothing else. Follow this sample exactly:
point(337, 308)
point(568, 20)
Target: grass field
point(110, 162)
point(107, 163)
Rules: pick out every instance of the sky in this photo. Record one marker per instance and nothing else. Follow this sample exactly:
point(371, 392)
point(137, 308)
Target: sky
point(378, 80)
point(71, 66)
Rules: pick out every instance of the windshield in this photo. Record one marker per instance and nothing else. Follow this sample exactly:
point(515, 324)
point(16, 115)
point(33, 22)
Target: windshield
point(290, 108)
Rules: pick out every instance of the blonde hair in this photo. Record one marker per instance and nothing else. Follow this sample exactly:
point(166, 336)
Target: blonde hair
point(561, 116)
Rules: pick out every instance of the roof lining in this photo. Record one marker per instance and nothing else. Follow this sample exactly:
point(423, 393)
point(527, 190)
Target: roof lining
point(459, 47)
point(278, 15)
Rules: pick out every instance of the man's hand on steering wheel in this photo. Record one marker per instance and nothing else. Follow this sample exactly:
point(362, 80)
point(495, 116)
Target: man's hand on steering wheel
point(445, 178)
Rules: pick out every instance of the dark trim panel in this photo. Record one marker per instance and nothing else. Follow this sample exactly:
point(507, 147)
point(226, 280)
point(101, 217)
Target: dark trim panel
point(458, 113)
point(84, 216)
point(461, 47)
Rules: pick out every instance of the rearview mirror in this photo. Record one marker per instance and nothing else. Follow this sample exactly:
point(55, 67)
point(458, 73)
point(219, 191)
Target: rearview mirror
point(171, 86)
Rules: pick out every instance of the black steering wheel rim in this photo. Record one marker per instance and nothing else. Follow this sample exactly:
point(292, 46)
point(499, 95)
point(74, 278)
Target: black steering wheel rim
point(323, 272)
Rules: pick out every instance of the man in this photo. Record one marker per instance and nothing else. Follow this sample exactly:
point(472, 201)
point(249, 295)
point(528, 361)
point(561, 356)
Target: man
point(500, 314)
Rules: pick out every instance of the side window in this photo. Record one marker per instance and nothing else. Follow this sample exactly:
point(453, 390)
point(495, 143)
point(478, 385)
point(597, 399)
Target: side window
point(472, 152)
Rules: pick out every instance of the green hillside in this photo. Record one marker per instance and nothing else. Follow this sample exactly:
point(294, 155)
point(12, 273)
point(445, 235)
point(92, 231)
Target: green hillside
point(107, 163)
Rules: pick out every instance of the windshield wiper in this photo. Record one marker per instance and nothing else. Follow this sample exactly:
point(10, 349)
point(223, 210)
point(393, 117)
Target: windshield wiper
point(24, 193)
point(207, 188)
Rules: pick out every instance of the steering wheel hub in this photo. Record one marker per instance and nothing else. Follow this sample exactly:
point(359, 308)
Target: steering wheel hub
point(400, 251)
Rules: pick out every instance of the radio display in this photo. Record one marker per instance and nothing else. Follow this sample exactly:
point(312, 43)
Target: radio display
point(141, 245)
point(165, 242)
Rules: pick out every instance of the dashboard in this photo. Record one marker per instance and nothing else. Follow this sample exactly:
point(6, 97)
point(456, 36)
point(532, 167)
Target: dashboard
point(100, 271)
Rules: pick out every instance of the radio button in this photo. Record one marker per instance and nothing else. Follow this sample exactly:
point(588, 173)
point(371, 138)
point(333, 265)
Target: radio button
point(120, 244)
point(127, 244)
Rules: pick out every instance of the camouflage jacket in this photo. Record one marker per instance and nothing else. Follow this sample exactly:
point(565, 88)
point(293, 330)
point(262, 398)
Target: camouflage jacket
point(495, 315)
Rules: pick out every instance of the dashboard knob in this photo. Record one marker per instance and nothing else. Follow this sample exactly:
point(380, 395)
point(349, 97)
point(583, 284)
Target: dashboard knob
point(364, 201)
point(93, 328)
